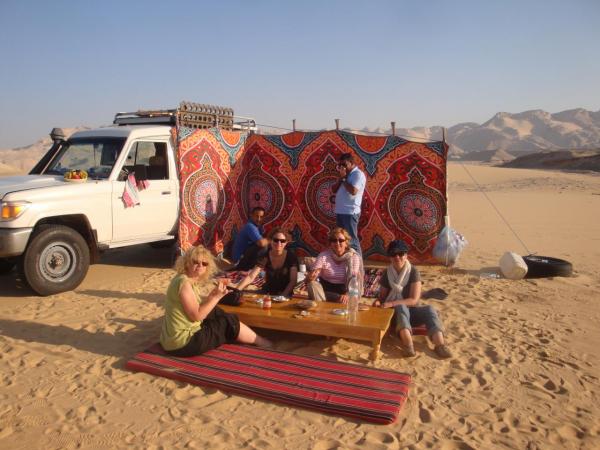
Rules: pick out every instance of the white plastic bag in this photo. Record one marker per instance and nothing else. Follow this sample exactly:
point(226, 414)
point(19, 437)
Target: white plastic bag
point(449, 246)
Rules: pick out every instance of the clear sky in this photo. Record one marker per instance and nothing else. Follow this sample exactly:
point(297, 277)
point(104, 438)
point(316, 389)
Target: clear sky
point(419, 62)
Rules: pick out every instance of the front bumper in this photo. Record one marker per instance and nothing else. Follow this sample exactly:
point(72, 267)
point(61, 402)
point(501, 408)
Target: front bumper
point(13, 241)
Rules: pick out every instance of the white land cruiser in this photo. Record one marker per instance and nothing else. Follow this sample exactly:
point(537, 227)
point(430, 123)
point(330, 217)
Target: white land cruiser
point(52, 228)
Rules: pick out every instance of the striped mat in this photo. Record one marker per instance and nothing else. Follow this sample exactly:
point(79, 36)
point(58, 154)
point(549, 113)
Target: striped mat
point(373, 395)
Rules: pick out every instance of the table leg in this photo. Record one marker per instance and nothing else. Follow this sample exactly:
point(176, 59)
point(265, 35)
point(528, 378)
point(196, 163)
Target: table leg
point(376, 346)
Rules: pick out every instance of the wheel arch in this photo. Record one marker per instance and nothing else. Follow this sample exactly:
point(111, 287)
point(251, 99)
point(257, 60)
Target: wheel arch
point(79, 223)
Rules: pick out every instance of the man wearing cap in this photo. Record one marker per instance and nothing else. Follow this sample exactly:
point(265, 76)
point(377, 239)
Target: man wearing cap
point(349, 191)
point(401, 290)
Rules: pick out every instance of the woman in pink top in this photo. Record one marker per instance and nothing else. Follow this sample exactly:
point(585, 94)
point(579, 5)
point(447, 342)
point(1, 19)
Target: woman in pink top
point(330, 274)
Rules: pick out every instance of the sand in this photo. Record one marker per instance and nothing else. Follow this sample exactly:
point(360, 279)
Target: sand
point(525, 372)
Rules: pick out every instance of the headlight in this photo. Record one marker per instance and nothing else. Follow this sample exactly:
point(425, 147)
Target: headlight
point(12, 210)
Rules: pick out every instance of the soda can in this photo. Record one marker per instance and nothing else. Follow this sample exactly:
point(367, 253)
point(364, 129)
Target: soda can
point(266, 302)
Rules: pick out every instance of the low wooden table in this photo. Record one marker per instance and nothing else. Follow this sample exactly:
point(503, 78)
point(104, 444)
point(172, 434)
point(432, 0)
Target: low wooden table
point(370, 325)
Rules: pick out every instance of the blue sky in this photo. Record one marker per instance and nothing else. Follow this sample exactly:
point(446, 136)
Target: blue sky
point(419, 63)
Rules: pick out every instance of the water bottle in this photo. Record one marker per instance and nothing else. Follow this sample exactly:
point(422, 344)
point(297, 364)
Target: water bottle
point(302, 273)
point(353, 296)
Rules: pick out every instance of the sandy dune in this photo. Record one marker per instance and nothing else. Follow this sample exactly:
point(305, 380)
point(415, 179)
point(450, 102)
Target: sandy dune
point(525, 373)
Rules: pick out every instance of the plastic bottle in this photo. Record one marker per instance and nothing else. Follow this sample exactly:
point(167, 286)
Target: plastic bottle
point(489, 275)
point(301, 273)
point(353, 297)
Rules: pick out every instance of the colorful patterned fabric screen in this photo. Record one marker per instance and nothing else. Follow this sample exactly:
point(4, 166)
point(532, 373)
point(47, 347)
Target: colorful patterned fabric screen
point(225, 174)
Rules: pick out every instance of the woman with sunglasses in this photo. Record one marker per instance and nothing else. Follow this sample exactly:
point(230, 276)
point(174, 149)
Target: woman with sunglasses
point(193, 323)
point(401, 290)
point(280, 266)
point(333, 269)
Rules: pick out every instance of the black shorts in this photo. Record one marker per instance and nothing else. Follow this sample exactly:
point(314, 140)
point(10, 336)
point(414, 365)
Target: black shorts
point(333, 291)
point(218, 328)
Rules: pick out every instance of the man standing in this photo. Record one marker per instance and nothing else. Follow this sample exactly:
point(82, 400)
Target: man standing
point(250, 241)
point(349, 191)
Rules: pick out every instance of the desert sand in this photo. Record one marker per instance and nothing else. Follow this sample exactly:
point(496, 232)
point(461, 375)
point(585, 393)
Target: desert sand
point(524, 374)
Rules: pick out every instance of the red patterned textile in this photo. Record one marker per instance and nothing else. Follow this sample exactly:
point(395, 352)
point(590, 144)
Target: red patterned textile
point(331, 387)
point(225, 174)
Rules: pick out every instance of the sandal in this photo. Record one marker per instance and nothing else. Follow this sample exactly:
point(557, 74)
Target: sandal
point(442, 351)
point(408, 351)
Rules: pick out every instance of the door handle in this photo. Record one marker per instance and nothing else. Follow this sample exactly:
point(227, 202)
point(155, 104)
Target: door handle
point(165, 193)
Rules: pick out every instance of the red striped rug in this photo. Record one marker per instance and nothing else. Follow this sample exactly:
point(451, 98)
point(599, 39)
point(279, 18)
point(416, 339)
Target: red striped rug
point(332, 387)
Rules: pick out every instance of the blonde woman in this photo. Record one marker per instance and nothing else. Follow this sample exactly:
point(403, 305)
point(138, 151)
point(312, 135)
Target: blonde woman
point(193, 323)
point(334, 268)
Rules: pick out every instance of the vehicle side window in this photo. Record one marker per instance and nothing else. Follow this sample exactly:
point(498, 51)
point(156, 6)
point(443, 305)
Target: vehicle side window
point(151, 155)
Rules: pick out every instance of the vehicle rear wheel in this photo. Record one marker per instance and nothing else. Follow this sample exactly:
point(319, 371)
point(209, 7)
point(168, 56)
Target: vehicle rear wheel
point(56, 260)
point(6, 265)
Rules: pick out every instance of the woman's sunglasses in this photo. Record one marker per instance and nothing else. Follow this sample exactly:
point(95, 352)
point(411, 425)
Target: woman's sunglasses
point(201, 263)
point(339, 241)
point(280, 241)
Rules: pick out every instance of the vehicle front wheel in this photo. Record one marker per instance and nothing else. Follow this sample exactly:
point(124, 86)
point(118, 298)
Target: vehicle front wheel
point(56, 260)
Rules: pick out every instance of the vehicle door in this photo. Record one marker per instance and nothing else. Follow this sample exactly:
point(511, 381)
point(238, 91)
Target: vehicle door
point(156, 212)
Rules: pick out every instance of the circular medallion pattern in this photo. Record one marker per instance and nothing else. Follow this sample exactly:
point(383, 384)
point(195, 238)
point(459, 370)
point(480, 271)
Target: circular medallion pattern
point(418, 211)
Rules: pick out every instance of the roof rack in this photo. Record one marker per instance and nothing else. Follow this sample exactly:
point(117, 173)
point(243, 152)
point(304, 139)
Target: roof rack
point(188, 114)
point(141, 117)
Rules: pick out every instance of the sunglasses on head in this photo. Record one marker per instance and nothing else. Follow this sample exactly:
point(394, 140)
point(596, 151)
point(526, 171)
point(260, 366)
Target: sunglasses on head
point(393, 255)
point(201, 263)
point(280, 241)
point(339, 241)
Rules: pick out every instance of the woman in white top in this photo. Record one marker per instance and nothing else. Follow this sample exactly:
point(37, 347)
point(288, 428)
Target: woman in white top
point(333, 269)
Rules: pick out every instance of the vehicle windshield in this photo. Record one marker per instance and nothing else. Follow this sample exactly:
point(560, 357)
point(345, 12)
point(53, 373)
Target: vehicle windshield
point(96, 156)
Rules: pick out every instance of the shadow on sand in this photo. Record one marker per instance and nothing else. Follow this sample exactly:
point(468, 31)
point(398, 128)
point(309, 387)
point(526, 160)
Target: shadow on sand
point(144, 256)
point(120, 344)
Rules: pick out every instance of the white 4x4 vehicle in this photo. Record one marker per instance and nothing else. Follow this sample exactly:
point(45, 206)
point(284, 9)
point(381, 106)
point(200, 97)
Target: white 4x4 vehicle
point(53, 228)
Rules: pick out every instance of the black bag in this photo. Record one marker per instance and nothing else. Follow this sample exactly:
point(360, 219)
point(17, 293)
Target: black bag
point(232, 298)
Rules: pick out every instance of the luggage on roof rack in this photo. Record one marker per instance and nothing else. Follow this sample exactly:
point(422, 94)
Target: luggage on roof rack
point(188, 114)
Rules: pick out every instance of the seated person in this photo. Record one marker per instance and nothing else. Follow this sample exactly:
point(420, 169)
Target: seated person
point(193, 323)
point(280, 266)
point(333, 269)
point(401, 290)
point(250, 243)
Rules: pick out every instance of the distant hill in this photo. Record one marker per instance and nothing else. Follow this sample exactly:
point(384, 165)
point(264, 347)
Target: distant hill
point(21, 159)
point(559, 160)
point(507, 135)
point(502, 138)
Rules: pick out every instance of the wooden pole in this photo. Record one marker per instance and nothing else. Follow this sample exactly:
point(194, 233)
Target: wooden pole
point(393, 128)
point(447, 217)
point(337, 124)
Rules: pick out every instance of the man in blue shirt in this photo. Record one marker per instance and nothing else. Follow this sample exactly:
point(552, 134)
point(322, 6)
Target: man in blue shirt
point(349, 191)
point(250, 241)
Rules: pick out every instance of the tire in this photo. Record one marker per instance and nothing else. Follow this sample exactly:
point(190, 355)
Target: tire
point(56, 260)
point(6, 265)
point(546, 266)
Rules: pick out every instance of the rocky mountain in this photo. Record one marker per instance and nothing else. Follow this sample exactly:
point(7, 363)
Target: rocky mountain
point(500, 139)
point(21, 159)
point(507, 135)
point(559, 160)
